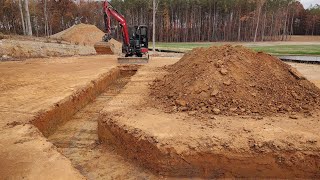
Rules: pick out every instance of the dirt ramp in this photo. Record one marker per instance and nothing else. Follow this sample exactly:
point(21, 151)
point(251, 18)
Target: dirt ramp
point(234, 80)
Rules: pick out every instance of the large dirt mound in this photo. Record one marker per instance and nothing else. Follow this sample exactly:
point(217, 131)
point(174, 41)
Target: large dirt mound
point(234, 80)
point(82, 34)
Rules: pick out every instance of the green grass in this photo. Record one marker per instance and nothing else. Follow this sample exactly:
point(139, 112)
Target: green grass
point(272, 49)
point(183, 46)
point(290, 49)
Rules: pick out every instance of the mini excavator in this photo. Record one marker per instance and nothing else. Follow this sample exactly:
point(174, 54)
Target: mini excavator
point(135, 39)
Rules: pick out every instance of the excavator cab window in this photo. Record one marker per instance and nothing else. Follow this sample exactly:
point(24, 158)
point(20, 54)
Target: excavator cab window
point(143, 36)
point(143, 31)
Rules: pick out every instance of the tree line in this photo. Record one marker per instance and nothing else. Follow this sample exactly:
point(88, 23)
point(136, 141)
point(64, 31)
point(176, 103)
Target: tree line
point(176, 20)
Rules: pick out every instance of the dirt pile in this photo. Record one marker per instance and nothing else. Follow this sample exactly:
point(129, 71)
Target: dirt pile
point(234, 80)
point(82, 34)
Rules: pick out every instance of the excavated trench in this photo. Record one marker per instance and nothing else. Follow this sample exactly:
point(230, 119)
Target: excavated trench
point(71, 125)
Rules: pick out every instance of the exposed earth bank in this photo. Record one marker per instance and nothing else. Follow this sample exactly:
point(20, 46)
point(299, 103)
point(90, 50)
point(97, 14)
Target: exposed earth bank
point(12, 49)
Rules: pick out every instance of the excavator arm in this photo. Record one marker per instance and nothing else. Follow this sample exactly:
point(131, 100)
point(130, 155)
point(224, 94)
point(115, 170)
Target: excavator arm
point(109, 12)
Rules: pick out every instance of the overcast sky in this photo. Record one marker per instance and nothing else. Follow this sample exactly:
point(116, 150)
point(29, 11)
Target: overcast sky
point(307, 3)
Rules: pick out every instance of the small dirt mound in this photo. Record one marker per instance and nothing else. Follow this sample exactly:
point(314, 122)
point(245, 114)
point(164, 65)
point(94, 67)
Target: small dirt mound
point(234, 80)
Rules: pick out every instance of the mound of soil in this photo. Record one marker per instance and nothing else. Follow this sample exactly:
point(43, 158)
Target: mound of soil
point(83, 34)
point(234, 80)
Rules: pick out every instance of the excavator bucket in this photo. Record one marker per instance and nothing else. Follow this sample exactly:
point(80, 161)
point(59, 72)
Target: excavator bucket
point(104, 48)
point(133, 60)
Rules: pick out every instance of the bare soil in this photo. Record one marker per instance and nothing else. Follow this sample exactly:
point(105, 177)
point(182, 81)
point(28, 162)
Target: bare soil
point(81, 34)
point(78, 140)
point(12, 49)
point(136, 135)
point(194, 144)
point(29, 88)
point(68, 84)
point(76, 40)
point(234, 80)
point(87, 35)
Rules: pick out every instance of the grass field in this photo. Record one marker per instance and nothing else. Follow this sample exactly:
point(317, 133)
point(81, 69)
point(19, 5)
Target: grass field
point(272, 49)
point(290, 49)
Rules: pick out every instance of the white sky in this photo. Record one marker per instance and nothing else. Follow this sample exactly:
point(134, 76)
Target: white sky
point(307, 3)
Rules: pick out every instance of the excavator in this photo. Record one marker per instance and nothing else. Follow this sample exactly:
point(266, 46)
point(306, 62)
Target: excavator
point(135, 39)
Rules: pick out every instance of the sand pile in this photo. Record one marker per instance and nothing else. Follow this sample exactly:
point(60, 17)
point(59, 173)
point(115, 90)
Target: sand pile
point(234, 80)
point(83, 34)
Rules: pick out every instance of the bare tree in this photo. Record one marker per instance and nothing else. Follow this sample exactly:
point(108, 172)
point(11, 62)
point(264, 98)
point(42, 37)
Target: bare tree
point(22, 18)
point(173, 20)
point(28, 21)
point(155, 7)
point(260, 4)
point(46, 23)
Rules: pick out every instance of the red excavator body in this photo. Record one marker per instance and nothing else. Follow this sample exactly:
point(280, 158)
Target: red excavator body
point(135, 38)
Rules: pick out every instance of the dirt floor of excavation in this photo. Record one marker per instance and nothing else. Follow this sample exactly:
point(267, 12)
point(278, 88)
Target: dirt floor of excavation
point(78, 141)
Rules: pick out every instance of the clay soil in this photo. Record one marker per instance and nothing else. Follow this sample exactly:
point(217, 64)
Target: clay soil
point(81, 34)
point(17, 48)
point(234, 80)
point(78, 140)
point(196, 144)
point(27, 89)
point(32, 94)
point(87, 35)
point(74, 149)
point(76, 40)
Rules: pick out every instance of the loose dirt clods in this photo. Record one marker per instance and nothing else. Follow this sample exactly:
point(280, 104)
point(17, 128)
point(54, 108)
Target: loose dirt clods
point(233, 80)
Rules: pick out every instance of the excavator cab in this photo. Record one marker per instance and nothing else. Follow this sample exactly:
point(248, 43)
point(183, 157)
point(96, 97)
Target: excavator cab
point(138, 41)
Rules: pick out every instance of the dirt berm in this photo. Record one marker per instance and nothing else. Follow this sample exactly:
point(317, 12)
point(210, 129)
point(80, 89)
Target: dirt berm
point(234, 80)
